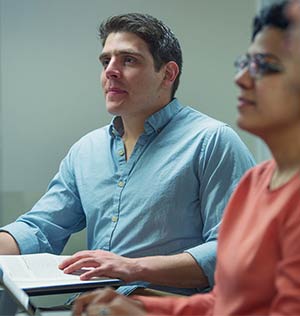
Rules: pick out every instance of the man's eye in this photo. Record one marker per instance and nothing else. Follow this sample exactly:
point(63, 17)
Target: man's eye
point(129, 60)
point(104, 62)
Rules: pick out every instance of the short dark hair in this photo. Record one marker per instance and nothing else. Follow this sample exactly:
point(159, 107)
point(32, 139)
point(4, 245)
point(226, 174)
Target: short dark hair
point(273, 15)
point(161, 41)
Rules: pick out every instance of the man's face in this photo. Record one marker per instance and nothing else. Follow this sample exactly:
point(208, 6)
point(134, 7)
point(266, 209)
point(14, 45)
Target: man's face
point(131, 85)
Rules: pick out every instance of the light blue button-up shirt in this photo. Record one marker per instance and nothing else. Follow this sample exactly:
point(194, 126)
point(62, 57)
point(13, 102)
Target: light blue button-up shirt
point(166, 199)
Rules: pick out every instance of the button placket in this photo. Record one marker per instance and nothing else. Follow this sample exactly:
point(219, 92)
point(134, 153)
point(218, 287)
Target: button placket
point(121, 152)
point(114, 219)
point(121, 184)
point(124, 169)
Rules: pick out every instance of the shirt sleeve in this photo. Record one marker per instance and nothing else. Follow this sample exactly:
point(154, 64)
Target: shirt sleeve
point(45, 228)
point(222, 162)
point(287, 281)
point(199, 304)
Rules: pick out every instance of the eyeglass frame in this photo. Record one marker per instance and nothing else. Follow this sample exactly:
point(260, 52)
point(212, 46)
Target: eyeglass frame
point(257, 65)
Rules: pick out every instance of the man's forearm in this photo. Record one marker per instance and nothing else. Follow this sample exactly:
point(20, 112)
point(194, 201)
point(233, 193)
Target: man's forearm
point(180, 270)
point(177, 270)
point(8, 245)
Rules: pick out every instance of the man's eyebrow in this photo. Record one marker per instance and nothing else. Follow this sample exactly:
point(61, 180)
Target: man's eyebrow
point(121, 52)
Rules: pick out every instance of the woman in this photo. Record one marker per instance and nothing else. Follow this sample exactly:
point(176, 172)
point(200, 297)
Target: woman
point(258, 266)
point(293, 12)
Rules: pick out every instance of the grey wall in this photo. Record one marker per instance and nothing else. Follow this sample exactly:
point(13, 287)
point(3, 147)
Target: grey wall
point(263, 3)
point(50, 90)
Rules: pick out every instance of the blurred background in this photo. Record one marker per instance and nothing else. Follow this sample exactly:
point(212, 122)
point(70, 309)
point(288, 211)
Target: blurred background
point(50, 91)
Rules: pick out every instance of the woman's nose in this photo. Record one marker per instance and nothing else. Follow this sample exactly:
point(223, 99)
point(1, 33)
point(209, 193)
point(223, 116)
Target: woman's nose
point(243, 79)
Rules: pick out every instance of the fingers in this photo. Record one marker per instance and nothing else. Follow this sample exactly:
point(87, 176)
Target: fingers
point(87, 259)
point(82, 301)
point(102, 296)
point(98, 272)
point(82, 263)
point(89, 267)
point(98, 310)
point(92, 273)
point(101, 264)
point(101, 310)
point(77, 256)
point(107, 302)
point(118, 305)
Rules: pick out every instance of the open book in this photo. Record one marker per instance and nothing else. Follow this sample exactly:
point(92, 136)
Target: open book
point(39, 274)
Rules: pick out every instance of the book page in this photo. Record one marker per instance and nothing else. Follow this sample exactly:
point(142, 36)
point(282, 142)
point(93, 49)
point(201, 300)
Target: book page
point(33, 267)
point(38, 270)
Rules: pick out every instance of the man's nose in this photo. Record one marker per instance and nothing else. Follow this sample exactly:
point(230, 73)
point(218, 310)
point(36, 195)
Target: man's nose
point(113, 70)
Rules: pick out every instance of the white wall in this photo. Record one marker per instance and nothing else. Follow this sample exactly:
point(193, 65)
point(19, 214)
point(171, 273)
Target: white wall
point(50, 90)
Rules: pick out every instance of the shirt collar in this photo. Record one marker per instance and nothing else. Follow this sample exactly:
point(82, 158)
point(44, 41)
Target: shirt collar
point(116, 127)
point(154, 123)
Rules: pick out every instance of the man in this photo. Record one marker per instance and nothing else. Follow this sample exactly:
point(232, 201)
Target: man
point(150, 187)
point(258, 262)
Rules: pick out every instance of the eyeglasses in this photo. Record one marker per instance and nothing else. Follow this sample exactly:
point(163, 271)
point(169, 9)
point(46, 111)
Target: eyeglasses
point(258, 65)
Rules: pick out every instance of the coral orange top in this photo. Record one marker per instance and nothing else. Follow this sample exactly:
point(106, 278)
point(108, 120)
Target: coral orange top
point(258, 259)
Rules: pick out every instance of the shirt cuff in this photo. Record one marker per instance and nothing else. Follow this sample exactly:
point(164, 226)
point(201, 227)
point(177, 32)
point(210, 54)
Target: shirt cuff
point(205, 255)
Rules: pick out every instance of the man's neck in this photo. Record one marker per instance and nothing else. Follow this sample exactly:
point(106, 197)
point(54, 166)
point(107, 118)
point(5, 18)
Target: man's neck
point(133, 128)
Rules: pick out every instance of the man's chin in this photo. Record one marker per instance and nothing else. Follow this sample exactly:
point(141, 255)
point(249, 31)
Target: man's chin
point(113, 110)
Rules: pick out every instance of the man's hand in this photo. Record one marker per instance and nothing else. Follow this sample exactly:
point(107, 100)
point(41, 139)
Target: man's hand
point(104, 263)
point(154, 269)
point(107, 302)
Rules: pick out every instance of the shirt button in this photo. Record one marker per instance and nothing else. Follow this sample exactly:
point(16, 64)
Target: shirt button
point(121, 184)
point(121, 152)
point(114, 218)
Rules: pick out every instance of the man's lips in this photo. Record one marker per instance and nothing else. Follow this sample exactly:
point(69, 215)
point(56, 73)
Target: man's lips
point(115, 91)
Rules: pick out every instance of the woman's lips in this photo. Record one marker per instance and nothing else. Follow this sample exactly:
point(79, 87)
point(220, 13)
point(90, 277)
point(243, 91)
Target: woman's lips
point(244, 102)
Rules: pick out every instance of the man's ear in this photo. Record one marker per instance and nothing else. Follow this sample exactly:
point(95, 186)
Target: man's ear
point(171, 73)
